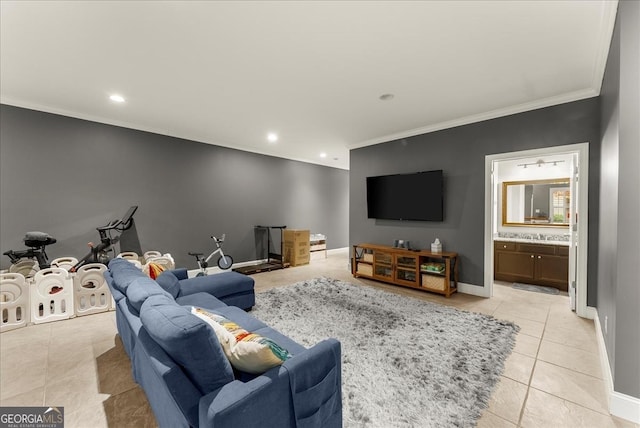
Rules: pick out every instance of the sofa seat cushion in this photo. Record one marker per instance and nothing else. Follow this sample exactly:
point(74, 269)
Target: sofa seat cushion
point(220, 284)
point(248, 352)
point(203, 300)
point(188, 340)
point(141, 289)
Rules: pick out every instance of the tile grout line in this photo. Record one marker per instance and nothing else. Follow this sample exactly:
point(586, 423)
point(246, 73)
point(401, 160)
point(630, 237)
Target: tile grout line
point(572, 402)
point(46, 367)
point(574, 372)
point(533, 369)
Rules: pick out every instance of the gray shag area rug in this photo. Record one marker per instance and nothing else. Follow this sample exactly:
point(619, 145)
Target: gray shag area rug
point(535, 288)
point(405, 362)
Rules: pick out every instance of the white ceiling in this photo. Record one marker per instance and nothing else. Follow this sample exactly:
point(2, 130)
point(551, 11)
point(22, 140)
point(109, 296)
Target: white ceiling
point(228, 73)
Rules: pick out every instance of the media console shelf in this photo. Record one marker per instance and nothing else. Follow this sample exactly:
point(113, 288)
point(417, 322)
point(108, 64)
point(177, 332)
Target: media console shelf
point(422, 270)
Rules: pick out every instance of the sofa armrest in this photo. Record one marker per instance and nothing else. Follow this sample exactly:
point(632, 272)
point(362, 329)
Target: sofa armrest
point(180, 273)
point(171, 394)
point(315, 379)
point(249, 404)
point(305, 392)
point(220, 285)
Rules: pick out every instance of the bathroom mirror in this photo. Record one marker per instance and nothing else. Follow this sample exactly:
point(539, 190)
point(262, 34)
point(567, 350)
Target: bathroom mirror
point(536, 203)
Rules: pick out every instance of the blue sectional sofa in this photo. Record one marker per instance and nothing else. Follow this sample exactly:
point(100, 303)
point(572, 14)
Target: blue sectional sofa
point(179, 362)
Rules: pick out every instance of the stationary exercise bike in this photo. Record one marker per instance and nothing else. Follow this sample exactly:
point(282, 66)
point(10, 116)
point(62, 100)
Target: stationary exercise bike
point(224, 262)
point(36, 241)
point(100, 253)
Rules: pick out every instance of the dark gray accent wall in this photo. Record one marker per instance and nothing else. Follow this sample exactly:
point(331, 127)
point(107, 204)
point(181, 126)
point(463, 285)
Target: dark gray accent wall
point(619, 250)
point(66, 176)
point(461, 152)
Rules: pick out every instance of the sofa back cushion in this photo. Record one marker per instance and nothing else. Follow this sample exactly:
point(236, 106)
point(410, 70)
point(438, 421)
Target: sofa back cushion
point(188, 340)
point(169, 282)
point(124, 273)
point(142, 288)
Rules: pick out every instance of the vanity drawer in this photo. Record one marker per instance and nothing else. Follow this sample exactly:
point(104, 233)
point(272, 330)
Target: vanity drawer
point(562, 250)
point(537, 248)
point(504, 246)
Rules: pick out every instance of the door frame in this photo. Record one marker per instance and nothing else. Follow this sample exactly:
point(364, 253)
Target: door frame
point(579, 236)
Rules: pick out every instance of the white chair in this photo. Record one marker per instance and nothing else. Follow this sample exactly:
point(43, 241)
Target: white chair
point(65, 263)
point(129, 255)
point(51, 296)
point(166, 261)
point(25, 267)
point(14, 301)
point(151, 254)
point(91, 292)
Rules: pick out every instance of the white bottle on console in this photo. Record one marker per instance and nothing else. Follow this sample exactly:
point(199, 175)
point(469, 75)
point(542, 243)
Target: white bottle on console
point(436, 246)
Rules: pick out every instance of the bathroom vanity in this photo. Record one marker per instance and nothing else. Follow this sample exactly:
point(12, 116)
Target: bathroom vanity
point(532, 263)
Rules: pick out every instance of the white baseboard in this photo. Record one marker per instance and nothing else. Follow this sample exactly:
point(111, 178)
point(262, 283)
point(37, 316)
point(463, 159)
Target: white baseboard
point(591, 313)
point(337, 250)
point(215, 269)
point(625, 407)
point(475, 290)
point(620, 405)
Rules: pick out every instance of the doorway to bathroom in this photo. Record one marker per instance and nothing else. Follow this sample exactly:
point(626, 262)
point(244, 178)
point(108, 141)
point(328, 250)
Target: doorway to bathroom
point(541, 195)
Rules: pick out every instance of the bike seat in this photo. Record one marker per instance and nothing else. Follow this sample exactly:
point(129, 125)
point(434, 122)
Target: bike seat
point(38, 239)
point(196, 254)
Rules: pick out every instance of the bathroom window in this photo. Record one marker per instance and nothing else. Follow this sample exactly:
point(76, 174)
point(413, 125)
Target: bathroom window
point(560, 204)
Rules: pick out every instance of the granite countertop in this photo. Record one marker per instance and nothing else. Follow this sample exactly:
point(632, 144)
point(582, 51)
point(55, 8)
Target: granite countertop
point(532, 241)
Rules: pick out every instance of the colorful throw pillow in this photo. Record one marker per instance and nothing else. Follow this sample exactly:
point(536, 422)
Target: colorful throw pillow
point(153, 270)
point(247, 352)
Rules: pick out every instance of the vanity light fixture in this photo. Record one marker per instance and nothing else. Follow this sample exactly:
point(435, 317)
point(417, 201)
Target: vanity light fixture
point(540, 162)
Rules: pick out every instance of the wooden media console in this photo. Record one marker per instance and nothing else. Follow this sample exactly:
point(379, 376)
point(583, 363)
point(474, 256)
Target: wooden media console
point(419, 269)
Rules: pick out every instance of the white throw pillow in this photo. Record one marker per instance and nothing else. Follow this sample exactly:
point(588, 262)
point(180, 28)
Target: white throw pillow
point(247, 352)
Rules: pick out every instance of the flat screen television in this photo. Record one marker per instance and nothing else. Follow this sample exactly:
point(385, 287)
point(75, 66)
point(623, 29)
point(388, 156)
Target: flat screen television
point(417, 196)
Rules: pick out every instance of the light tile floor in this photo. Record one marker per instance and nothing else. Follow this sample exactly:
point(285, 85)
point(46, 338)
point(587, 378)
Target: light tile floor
point(552, 379)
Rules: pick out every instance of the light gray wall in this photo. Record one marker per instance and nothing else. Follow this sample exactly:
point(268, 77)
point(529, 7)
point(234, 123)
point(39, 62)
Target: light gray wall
point(67, 176)
point(461, 152)
point(608, 241)
point(619, 252)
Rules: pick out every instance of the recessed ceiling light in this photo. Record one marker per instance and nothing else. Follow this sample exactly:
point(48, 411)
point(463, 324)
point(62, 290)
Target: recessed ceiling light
point(117, 98)
point(323, 155)
point(272, 137)
point(386, 97)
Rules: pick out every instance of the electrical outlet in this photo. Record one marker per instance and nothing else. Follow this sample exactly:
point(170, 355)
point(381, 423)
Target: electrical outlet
point(606, 322)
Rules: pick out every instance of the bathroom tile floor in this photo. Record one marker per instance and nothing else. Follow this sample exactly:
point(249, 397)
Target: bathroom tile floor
point(552, 379)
